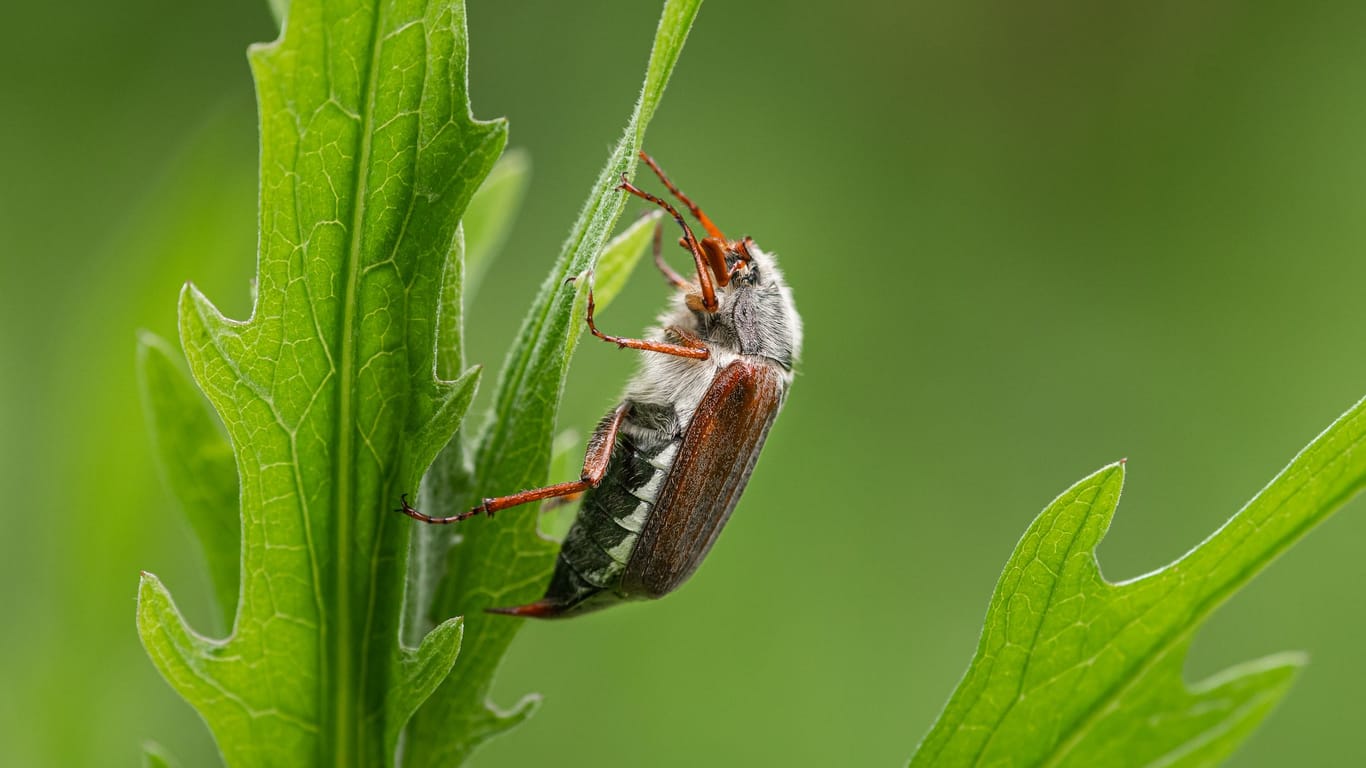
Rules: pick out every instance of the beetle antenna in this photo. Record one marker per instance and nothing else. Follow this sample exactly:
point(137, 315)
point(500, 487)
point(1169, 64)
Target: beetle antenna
point(658, 248)
point(704, 277)
point(706, 222)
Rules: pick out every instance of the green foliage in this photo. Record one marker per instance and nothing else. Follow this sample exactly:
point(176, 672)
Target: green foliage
point(345, 384)
point(381, 206)
point(1073, 670)
point(196, 459)
point(503, 561)
point(620, 256)
point(328, 392)
point(491, 213)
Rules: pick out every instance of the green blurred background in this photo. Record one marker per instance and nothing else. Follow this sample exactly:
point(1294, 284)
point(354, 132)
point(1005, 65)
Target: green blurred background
point(1027, 239)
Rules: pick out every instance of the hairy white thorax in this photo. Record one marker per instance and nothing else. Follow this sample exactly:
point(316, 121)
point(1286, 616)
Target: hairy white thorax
point(756, 319)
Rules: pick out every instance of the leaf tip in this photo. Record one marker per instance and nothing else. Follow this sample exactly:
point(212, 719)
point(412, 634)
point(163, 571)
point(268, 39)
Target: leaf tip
point(521, 711)
point(189, 292)
point(516, 160)
point(154, 600)
point(1299, 658)
point(193, 303)
point(200, 319)
point(1287, 662)
point(176, 649)
point(422, 670)
point(1114, 472)
point(193, 298)
point(155, 604)
point(145, 338)
point(446, 635)
point(433, 658)
point(152, 349)
point(155, 756)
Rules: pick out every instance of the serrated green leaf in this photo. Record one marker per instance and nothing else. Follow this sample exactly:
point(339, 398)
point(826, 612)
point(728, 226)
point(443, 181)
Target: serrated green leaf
point(489, 218)
point(420, 672)
point(450, 472)
point(328, 393)
point(1073, 670)
point(503, 561)
point(196, 463)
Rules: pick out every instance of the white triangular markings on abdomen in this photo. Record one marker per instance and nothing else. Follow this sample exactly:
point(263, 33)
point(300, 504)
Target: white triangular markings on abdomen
point(636, 520)
point(622, 551)
point(665, 458)
point(650, 490)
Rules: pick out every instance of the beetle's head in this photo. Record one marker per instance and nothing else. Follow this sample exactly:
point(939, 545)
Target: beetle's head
point(754, 309)
point(739, 292)
point(733, 261)
point(731, 264)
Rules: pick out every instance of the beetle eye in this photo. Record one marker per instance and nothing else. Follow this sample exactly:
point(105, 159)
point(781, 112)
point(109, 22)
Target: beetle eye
point(745, 272)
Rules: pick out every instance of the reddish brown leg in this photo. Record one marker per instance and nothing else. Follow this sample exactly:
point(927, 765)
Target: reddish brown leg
point(560, 501)
point(701, 217)
point(704, 278)
point(686, 339)
point(715, 251)
point(691, 346)
point(595, 462)
point(669, 273)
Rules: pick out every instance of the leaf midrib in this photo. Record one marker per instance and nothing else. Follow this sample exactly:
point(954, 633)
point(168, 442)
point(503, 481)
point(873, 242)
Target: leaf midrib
point(344, 730)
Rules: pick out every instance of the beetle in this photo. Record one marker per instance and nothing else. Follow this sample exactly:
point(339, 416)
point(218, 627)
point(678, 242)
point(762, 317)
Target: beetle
point(664, 469)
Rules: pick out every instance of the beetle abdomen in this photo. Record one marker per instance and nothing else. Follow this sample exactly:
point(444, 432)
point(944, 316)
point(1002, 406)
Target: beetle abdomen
point(604, 535)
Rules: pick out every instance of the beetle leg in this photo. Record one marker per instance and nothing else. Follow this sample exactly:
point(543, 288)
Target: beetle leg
point(595, 461)
point(669, 273)
point(692, 346)
point(560, 501)
point(686, 339)
point(678, 193)
point(715, 251)
point(704, 278)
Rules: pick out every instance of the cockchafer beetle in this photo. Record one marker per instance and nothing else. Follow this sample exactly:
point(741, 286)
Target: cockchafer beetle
point(665, 468)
